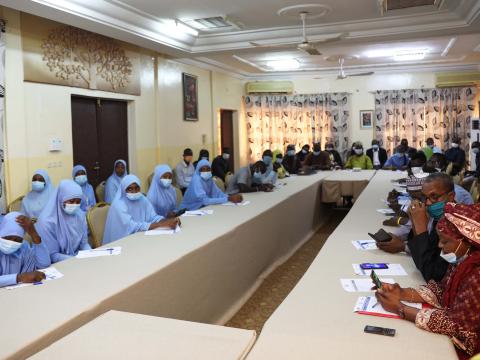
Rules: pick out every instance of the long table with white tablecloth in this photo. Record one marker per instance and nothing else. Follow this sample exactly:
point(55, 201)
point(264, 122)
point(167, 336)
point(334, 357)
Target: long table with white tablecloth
point(345, 183)
point(316, 320)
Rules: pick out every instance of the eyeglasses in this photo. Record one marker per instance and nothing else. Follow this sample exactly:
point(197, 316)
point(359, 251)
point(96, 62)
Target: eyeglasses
point(433, 198)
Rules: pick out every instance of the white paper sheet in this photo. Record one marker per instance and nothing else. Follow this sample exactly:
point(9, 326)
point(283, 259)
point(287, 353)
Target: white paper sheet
point(115, 250)
point(243, 203)
point(369, 244)
point(393, 270)
point(361, 285)
point(51, 273)
point(163, 231)
point(198, 213)
point(370, 304)
point(386, 211)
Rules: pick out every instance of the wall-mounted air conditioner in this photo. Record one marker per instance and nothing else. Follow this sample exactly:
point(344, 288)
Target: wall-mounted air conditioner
point(455, 79)
point(271, 87)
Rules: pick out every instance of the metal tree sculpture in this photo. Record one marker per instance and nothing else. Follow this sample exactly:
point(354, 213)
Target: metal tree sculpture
point(73, 53)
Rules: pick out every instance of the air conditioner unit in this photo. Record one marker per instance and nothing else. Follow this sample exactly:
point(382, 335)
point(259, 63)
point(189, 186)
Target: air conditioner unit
point(457, 79)
point(271, 87)
point(474, 136)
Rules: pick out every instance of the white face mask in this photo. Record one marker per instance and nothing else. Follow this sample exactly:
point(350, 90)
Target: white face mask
point(206, 175)
point(451, 258)
point(454, 145)
point(81, 179)
point(358, 151)
point(166, 182)
point(134, 196)
point(416, 170)
point(226, 156)
point(38, 186)
point(375, 147)
point(8, 246)
point(71, 209)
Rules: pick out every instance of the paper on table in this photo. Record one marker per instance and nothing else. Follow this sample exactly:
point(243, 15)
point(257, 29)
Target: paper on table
point(279, 185)
point(163, 231)
point(368, 305)
point(115, 250)
point(198, 212)
point(243, 203)
point(51, 273)
point(361, 285)
point(386, 211)
point(365, 244)
point(393, 270)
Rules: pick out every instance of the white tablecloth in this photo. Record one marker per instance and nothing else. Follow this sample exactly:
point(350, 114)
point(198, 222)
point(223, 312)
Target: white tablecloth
point(342, 183)
point(316, 320)
point(205, 273)
point(121, 335)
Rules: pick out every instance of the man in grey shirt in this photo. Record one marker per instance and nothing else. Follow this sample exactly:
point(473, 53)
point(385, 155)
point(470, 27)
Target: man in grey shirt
point(185, 170)
point(249, 179)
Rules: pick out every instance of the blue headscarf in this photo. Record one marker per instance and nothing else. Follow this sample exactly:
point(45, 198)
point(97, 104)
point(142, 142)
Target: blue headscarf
point(163, 199)
point(202, 193)
point(126, 216)
point(88, 199)
point(34, 202)
point(113, 182)
point(62, 233)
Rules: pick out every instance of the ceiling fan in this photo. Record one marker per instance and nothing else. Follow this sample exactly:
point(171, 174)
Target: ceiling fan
point(342, 74)
point(305, 46)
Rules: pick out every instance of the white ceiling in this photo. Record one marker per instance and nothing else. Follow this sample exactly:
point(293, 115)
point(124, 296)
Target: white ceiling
point(451, 33)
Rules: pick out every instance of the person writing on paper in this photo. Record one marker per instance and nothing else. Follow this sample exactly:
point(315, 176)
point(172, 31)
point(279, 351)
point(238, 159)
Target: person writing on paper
point(42, 189)
point(290, 161)
point(131, 212)
point(455, 300)
point(162, 194)
point(358, 159)
point(18, 260)
point(113, 182)
point(249, 179)
point(203, 191)
point(185, 170)
point(62, 225)
point(79, 174)
point(278, 162)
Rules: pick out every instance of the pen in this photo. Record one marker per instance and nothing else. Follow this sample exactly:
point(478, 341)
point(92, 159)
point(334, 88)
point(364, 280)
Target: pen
point(38, 283)
point(374, 304)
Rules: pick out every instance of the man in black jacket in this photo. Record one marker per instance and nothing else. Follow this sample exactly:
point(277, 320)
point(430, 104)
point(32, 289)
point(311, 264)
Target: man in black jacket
point(221, 165)
point(377, 154)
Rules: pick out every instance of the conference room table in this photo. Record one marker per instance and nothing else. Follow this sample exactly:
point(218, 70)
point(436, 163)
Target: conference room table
point(204, 273)
point(316, 320)
point(342, 183)
point(120, 335)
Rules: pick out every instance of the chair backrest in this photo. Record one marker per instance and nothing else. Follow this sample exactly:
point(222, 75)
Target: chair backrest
point(179, 196)
point(475, 191)
point(219, 183)
point(100, 192)
point(149, 181)
point(228, 178)
point(15, 205)
point(174, 177)
point(96, 219)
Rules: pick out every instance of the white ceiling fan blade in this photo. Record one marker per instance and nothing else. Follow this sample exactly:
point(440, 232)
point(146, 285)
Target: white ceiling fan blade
point(308, 49)
point(330, 40)
point(362, 74)
point(279, 46)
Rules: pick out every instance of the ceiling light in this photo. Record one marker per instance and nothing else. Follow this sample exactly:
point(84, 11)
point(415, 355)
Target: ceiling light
point(379, 53)
point(286, 64)
point(410, 55)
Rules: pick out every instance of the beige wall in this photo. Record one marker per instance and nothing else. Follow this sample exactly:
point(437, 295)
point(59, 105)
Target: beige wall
point(157, 133)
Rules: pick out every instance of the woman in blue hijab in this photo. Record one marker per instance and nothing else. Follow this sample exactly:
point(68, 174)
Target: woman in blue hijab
point(162, 194)
point(203, 191)
point(19, 261)
point(42, 189)
point(113, 182)
point(79, 174)
point(62, 225)
point(131, 212)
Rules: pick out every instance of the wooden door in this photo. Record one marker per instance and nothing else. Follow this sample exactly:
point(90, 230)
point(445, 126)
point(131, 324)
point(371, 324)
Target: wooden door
point(226, 134)
point(100, 135)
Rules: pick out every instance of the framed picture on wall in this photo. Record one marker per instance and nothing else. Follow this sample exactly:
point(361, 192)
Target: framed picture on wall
point(366, 119)
point(190, 97)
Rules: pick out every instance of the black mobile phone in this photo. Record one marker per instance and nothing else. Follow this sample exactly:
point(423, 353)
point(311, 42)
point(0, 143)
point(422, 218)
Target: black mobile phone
point(381, 236)
point(180, 212)
point(375, 279)
point(373, 266)
point(379, 330)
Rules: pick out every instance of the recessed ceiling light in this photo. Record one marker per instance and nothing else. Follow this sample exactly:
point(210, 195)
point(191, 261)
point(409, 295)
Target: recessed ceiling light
point(410, 55)
point(285, 64)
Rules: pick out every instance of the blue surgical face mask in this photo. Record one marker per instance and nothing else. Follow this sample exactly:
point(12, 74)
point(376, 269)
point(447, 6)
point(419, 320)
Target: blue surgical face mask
point(8, 246)
point(166, 182)
point(38, 186)
point(375, 147)
point(134, 196)
point(81, 179)
point(71, 209)
point(304, 151)
point(316, 153)
point(291, 152)
point(206, 175)
point(267, 160)
point(226, 156)
point(358, 151)
point(475, 150)
point(436, 210)
point(257, 175)
point(451, 257)
point(278, 160)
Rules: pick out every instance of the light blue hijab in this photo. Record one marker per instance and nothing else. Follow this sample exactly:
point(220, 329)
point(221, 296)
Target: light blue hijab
point(126, 216)
point(113, 182)
point(202, 192)
point(163, 199)
point(63, 234)
point(34, 202)
point(88, 199)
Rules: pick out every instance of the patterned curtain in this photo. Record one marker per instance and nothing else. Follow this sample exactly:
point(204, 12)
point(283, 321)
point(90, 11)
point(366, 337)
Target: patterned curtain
point(3, 203)
point(275, 121)
point(422, 113)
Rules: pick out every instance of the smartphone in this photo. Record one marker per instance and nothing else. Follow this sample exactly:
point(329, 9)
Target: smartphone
point(375, 280)
point(379, 330)
point(381, 236)
point(373, 266)
point(180, 212)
